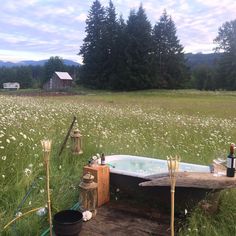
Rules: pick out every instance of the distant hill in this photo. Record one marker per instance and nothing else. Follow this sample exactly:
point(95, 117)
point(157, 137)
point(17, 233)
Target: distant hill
point(35, 63)
point(194, 60)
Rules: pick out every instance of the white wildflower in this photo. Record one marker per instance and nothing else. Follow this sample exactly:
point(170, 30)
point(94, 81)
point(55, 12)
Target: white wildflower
point(18, 214)
point(4, 158)
point(27, 171)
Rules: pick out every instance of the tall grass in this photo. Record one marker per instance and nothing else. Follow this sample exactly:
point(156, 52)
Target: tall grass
point(198, 126)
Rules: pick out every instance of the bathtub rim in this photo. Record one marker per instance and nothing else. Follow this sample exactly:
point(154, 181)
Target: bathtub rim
point(140, 175)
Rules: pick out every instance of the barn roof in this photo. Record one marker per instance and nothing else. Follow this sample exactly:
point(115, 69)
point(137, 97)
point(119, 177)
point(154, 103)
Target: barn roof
point(63, 75)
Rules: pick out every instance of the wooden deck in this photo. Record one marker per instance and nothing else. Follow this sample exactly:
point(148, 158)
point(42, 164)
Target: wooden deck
point(118, 219)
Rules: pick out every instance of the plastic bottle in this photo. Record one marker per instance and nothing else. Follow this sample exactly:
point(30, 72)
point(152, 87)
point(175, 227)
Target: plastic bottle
point(231, 162)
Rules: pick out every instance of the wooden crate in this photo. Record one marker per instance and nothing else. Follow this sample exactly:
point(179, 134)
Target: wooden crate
point(101, 175)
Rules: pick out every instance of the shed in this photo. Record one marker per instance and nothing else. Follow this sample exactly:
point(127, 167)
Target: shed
point(11, 86)
point(59, 80)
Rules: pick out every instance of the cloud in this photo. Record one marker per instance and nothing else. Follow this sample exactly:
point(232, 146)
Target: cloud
point(57, 27)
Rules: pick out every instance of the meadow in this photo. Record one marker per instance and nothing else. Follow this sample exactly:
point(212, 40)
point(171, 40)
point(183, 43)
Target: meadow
point(197, 126)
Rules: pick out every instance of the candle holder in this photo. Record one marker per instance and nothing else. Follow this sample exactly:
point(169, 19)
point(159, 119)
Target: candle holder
point(76, 139)
point(173, 168)
point(88, 193)
point(46, 145)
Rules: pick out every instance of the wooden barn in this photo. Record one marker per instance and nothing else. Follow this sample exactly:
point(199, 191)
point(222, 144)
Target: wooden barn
point(59, 80)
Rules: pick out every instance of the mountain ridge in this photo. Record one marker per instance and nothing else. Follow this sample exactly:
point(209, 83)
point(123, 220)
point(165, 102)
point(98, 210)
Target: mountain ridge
point(34, 63)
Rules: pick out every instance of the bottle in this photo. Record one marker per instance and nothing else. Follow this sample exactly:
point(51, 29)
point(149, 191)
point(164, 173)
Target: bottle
point(103, 159)
point(231, 161)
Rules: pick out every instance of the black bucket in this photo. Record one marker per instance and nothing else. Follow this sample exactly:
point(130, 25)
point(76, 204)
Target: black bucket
point(67, 223)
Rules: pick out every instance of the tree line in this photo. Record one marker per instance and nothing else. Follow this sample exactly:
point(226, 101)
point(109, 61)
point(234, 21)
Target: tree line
point(35, 76)
point(132, 55)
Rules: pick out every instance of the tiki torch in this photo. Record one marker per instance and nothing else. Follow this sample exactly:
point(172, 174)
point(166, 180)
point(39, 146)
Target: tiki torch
point(46, 144)
point(173, 167)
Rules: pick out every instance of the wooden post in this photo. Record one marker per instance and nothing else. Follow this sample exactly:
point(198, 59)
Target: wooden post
point(46, 144)
point(101, 175)
point(173, 167)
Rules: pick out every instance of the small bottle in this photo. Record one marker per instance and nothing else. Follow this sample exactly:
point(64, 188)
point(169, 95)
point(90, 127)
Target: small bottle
point(231, 162)
point(103, 159)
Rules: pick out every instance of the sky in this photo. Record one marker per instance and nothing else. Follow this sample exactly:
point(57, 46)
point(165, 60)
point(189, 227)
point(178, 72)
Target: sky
point(38, 29)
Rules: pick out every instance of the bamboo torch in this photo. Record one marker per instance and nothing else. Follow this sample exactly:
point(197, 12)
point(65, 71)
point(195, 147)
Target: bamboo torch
point(46, 144)
point(173, 167)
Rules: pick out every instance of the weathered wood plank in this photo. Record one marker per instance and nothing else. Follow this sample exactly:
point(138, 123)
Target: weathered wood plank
point(119, 221)
point(194, 180)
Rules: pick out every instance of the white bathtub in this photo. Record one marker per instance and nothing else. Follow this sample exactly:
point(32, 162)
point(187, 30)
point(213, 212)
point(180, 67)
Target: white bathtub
point(142, 167)
point(127, 172)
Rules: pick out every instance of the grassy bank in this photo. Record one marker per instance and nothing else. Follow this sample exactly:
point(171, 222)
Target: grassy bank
point(198, 126)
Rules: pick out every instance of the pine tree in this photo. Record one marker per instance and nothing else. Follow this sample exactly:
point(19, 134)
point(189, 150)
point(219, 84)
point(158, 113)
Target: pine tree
point(138, 49)
point(226, 40)
point(93, 50)
point(110, 43)
point(53, 64)
point(120, 75)
point(168, 56)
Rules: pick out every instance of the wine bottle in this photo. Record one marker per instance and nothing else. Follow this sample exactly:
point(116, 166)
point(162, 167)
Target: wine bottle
point(231, 162)
point(103, 159)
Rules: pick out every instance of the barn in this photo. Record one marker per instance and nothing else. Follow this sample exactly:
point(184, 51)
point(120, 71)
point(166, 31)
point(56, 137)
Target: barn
point(11, 86)
point(59, 81)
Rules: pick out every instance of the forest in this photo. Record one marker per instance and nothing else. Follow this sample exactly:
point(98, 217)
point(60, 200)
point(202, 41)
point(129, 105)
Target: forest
point(136, 55)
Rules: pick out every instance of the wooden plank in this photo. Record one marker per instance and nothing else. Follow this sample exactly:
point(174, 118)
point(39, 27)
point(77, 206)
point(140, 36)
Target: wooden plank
point(101, 175)
point(114, 221)
point(194, 180)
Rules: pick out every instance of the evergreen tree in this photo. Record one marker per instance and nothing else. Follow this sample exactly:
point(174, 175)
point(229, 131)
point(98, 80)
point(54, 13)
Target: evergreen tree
point(204, 77)
point(92, 73)
point(24, 76)
point(121, 72)
point(53, 64)
point(226, 40)
point(138, 50)
point(168, 55)
point(110, 43)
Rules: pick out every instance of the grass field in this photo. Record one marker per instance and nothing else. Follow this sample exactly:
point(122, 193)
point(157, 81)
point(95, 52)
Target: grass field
point(198, 126)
